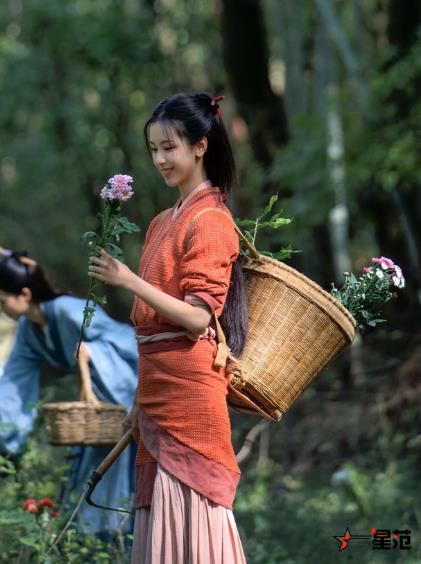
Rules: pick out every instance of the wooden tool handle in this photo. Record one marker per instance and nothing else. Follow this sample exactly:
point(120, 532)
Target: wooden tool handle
point(115, 453)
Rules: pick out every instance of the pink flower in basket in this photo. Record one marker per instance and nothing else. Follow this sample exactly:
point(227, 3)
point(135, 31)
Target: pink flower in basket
point(364, 296)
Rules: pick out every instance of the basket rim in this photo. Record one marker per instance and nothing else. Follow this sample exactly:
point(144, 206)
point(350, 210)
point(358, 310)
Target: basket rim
point(82, 405)
point(251, 263)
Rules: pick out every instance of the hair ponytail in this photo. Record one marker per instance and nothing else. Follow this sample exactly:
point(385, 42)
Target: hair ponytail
point(18, 271)
point(194, 117)
point(234, 317)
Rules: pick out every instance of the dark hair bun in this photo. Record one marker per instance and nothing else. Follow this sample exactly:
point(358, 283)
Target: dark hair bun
point(18, 271)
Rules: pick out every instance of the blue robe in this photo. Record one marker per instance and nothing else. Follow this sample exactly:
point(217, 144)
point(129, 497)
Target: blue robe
point(113, 362)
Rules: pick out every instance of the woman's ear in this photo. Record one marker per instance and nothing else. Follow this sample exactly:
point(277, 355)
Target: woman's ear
point(201, 147)
point(26, 294)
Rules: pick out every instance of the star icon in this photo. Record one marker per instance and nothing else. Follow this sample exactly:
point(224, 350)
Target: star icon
point(344, 539)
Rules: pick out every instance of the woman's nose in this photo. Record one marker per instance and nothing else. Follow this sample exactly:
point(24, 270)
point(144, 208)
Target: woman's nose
point(159, 158)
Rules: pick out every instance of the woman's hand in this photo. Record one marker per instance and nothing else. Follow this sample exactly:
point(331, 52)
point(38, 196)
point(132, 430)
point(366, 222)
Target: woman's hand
point(131, 422)
point(208, 334)
point(109, 270)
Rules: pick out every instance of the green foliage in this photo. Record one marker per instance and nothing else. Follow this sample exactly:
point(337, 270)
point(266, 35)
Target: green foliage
point(29, 537)
point(387, 151)
point(285, 519)
point(251, 228)
point(78, 81)
point(363, 296)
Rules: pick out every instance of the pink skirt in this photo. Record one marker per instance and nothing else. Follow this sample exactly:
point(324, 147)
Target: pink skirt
point(183, 527)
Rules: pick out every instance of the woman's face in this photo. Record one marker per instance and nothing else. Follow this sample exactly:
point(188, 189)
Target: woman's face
point(174, 158)
point(14, 306)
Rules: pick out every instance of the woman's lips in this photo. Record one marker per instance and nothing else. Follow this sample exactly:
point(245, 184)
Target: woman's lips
point(167, 172)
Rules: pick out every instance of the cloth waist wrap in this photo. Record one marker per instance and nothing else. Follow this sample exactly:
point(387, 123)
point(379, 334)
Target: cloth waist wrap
point(174, 387)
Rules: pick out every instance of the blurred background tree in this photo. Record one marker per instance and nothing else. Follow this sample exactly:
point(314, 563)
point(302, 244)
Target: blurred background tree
point(322, 106)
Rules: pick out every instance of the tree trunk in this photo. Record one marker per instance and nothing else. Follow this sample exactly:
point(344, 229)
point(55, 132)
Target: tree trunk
point(404, 22)
point(246, 59)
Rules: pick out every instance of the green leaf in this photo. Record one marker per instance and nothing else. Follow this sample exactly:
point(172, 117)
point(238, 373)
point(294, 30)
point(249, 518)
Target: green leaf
point(249, 235)
point(283, 254)
point(245, 223)
point(90, 235)
point(127, 226)
point(6, 466)
point(101, 300)
point(267, 209)
point(275, 224)
point(88, 313)
point(15, 520)
point(352, 278)
point(28, 541)
point(114, 250)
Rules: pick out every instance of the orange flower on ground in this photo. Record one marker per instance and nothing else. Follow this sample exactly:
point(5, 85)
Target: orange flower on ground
point(46, 502)
point(30, 506)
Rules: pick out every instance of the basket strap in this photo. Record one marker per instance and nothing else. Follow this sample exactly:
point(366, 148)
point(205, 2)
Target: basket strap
point(223, 352)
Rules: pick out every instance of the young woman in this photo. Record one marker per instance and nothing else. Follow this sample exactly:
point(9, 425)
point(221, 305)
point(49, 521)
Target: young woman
point(48, 332)
point(188, 276)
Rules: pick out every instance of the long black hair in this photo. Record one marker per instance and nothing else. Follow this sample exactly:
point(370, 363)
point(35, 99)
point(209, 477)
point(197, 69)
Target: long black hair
point(18, 271)
point(193, 117)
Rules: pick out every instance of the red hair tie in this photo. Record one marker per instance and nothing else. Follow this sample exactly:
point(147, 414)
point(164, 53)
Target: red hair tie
point(214, 102)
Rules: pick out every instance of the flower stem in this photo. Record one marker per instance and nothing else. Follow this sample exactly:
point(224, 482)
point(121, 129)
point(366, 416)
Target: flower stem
point(255, 232)
point(84, 317)
point(91, 284)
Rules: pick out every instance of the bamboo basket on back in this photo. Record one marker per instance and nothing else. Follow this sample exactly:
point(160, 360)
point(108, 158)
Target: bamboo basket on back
point(295, 330)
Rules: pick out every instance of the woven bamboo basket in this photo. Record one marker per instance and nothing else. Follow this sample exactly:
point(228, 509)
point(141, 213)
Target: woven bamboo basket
point(295, 330)
point(85, 422)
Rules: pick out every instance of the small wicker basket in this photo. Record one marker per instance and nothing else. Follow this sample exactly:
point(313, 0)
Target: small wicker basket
point(83, 423)
point(87, 422)
point(295, 330)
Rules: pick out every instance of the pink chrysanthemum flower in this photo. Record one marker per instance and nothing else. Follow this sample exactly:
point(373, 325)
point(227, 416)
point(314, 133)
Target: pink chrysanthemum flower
point(120, 180)
point(106, 194)
point(118, 188)
point(125, 193)
point(398, 280)
point(367, 269)
point(384, 262)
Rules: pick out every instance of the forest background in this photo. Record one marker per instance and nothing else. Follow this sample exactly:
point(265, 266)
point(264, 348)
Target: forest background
point(322, 106)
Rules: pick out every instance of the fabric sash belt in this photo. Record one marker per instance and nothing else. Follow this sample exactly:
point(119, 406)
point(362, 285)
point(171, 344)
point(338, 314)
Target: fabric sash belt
point(142, 339)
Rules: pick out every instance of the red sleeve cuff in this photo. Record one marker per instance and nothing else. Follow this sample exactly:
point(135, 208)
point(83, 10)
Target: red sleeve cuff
point(212, 302)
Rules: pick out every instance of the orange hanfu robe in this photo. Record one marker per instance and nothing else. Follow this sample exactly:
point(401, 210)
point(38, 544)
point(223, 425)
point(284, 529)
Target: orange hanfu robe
point(184, 424)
